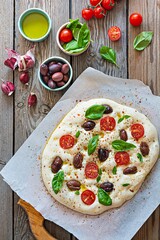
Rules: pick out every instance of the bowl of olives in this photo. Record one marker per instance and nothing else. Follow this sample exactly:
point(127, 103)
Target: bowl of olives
point(55, 73)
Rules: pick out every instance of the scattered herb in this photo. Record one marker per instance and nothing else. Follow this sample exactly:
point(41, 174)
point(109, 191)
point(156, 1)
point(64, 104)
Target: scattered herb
point(100, 171)
point(121, 145)
point(114, 170)
point(92, 144)
point(139, 156)
point(124, 117)
point(77, 192)
point(57, 182)
point(108, 54)
point(142, 40)
point(104, 198)
point(95, 112)
point(77, 134)
point(125, 184)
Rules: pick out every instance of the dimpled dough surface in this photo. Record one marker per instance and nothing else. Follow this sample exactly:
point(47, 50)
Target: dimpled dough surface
point(70, 125)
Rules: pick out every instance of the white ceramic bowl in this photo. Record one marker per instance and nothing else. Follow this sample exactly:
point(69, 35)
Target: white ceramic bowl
point(60, 45)
point(56, 59)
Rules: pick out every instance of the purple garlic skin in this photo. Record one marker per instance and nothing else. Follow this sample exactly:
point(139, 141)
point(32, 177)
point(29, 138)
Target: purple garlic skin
point(7, 88)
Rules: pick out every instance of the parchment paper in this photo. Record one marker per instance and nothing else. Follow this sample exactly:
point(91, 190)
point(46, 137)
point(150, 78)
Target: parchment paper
point(23, 172)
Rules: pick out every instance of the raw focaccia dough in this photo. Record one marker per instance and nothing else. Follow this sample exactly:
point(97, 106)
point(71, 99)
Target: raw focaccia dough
point(70, 125)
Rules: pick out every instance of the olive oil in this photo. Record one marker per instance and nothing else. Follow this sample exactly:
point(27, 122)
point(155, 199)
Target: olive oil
point(35, 25)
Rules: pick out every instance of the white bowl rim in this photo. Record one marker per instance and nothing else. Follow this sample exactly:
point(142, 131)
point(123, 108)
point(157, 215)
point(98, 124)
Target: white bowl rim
point(60, 46)
point(70, 77)
point(35, 39)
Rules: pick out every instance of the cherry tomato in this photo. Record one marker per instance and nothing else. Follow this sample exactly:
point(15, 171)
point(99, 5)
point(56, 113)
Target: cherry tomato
point(87, 13)
point(66, 35)
point(108, 4)
point(88, 197)
point(122, 158)
point(114, 33)
point(94, 2)
point(107, 123)
point(137, 131)
point(135, 19)
point(66, 141)
point(99, 12)
point(91, 170)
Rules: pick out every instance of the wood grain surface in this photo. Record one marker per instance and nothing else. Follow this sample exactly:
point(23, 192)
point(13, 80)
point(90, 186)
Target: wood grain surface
point(17, 121)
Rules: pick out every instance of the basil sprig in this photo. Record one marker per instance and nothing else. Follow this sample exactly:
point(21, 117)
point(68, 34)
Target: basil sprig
point(125, 184)
point(142, 40)
point(92, 144)
point(108, 54)
point(139, 156)
point(95, 112)
point(77, 134)
point(104, 198)
point(114, 170)
point(122, 118)
point(57, 182)
point(120, 145)
point(99, 175)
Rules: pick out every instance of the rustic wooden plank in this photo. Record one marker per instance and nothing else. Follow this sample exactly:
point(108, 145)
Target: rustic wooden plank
point(6, 122)
point(145, 66)
point(99, 28)
point(26, 120)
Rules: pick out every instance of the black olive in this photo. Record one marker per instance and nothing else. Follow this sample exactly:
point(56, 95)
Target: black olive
point(107, 186)
point(89, 125)
point(123, 135)
point(144, 148)
point(108, 109)
point(103, 154)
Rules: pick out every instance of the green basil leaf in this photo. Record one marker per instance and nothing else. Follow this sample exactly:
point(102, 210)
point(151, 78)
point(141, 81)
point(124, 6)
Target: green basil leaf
point(72, 45)
point(104, 198)
point(108, 54)
point(83, 36)
point(92, 144)
point(100, 171)
point(73, 24)
point(121, 145)
point(57, 182)
point(122, 118)
point(142, 40)
point(77, 134)
point(77, 192)
point(98, 178)
point(114, 170)
point(95, 112)
point(139, 156)
point(125, 184)
point(76, 33)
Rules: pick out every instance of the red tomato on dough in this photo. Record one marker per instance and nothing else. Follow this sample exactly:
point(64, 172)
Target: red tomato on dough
point(99, 12)
point(91, 170)
point(114, 33)
point(66, 35)
point(108, 4)
point(107, 123)
point(122, 158)
point(66, 141)
point(135, 19)
point(137, 131)
point(88, 197)
point(87, 13)
point(94, 2)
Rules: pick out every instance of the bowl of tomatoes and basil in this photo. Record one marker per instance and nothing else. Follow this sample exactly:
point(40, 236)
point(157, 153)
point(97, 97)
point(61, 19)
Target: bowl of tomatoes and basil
point(73, 37)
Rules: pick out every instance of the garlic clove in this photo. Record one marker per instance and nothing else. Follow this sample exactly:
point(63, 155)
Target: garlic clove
point(24, 77)
point(32, 99)
point(11, 63)
point(7, 88)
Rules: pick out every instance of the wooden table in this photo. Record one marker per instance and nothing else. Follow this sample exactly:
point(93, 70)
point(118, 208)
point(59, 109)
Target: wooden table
point(17, 121)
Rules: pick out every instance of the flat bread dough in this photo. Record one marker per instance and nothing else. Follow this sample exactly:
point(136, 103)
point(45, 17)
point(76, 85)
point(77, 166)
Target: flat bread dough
point(70, 125)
